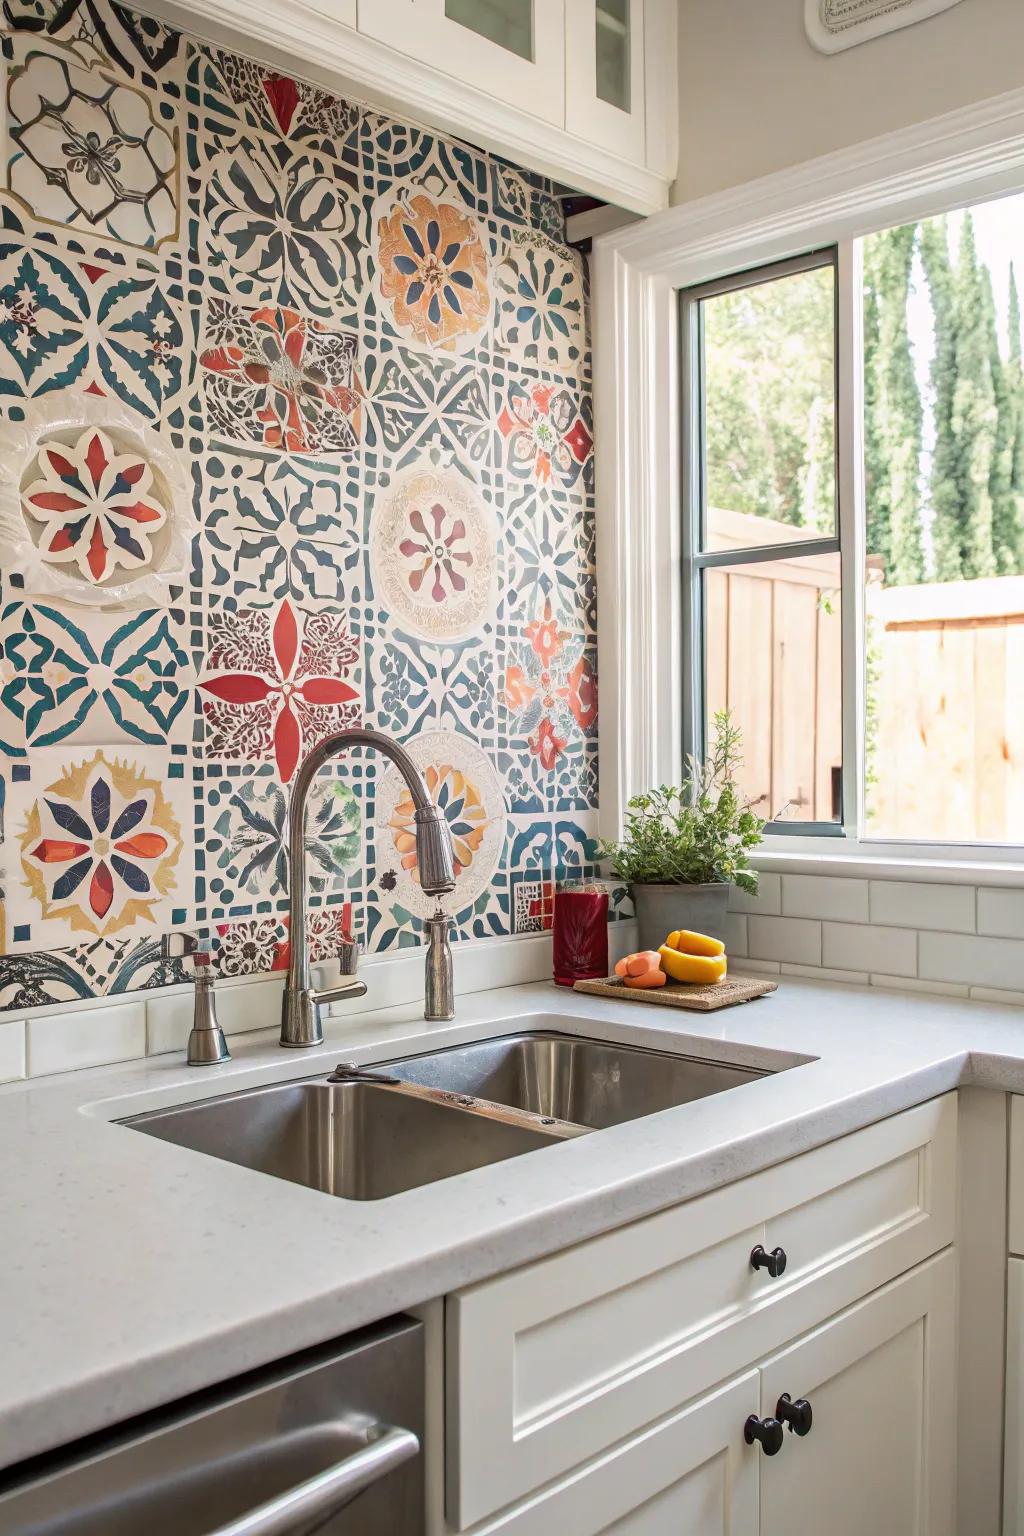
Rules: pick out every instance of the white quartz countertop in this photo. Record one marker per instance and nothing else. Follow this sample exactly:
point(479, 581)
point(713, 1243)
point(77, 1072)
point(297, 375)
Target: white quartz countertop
point(133, 1271)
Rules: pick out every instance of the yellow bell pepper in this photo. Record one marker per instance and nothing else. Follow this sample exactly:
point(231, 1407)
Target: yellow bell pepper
point(689, 943)
point(698, 970)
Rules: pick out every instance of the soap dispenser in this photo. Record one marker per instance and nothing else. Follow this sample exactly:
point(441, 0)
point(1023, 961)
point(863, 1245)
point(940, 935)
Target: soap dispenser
point(207, 1046)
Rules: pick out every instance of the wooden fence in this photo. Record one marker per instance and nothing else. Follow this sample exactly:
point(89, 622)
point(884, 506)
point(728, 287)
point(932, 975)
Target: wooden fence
point(945, 675)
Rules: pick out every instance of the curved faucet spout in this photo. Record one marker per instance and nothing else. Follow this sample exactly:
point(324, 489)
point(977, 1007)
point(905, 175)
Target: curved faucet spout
point(300, 1007)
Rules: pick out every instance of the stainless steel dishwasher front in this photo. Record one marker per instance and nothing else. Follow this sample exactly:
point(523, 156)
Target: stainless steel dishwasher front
point(329, 1441)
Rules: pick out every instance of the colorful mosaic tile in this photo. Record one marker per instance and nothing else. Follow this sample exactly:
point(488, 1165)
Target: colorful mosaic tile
point(354, 357)
point(278, 380)
point(276, 683)
point(87, 151)
point(68, 675)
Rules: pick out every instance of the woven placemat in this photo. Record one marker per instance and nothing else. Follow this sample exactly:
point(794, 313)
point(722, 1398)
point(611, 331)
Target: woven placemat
point(676, 994)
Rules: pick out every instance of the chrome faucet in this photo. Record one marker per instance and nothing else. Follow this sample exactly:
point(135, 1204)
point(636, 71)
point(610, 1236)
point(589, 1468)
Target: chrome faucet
point(301, 1023)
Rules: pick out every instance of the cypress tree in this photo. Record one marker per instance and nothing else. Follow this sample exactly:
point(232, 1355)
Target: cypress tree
point(1014, 375)
point(944, 483)
point(1005, 504)
point(893, 413)
point(975, 412)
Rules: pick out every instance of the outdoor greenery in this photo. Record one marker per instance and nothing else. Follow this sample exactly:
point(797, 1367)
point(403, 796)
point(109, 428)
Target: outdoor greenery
point(954, 513)
point(696, 833)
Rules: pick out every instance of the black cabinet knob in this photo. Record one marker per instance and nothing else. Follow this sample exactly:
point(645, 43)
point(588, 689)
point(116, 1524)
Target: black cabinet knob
point(797, 1415)
point(774, 1262)
point(768, 1432)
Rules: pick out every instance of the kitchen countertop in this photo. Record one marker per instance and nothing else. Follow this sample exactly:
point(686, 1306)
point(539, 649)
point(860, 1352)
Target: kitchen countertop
point(133, 1271)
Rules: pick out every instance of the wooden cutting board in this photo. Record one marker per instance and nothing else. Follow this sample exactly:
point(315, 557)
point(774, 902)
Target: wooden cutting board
point(675, 994)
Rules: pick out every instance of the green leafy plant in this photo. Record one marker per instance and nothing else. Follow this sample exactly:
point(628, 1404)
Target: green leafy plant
point(696, 833)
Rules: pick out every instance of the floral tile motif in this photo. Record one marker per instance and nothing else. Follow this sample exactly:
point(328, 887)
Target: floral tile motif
point(246, 850)
point(463, 782)
point(431, 270)
point(541, 301)
point(549, 689)
point(276, 683)
point(433, 547)
point(238, 93)
point(410, 688)
point(547, 431)
point(278, 380)
point(82, 323)
point(100, 848)
point(280, 528)
point(282, 226)
point(548, 558)
point(570, 784)
point(100, 34)
point(418, 400)
point(251, 948)
point(71, 676)
point(93, 508)
point(88, 151)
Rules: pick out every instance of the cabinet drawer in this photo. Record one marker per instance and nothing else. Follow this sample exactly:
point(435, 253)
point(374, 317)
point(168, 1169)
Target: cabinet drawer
point(557, 1361)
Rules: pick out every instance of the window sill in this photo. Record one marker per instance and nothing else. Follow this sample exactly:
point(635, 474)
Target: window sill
point(858, 862)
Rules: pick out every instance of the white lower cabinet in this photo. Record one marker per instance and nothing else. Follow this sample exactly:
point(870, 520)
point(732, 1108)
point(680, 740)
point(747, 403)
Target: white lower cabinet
point(880, 1452)
point(607, 1389)
point(692, 1473)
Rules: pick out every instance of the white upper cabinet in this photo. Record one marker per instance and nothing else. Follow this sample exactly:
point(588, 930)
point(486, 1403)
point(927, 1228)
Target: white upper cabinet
point(583, 91)
point(515, 46)
point(604, 100)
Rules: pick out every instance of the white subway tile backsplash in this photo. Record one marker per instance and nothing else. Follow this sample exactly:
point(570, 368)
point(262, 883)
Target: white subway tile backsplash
point(822, 973)
point(916, 904)
point(12, 1050)
point(915, 984)
point(735, 934)
point(240, 1008)
point(784, 938)
point(826, 897)
point(768, 900)
point(748, 967)
point(981, 962)
point(92, 1037)
point(852, 946)
point(1001, 913)
point(994, 995)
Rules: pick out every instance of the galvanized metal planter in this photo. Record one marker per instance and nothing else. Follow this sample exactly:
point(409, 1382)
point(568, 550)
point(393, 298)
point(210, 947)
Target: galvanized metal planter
point(662, 908)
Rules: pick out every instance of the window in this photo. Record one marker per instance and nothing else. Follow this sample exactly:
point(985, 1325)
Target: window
point(900, 723)
point(764, 550)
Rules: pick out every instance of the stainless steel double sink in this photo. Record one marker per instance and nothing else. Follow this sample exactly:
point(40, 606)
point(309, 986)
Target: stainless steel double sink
point(440, 1114)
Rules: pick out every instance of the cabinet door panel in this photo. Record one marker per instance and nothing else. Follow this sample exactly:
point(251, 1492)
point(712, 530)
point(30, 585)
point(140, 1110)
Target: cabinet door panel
point(881, 1450)
point(487, 44)
point(604, 70)
point(691, 1473)
point(1013, 1466)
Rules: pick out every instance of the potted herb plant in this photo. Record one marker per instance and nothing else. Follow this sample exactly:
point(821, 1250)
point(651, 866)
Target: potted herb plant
point(683, 846)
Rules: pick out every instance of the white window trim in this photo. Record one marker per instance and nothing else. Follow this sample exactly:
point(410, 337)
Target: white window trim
point(960, 158)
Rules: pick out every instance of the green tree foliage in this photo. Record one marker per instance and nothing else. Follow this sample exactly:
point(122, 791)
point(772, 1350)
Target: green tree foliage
point(893, 416)
point(1006, 474)
point(769, 371)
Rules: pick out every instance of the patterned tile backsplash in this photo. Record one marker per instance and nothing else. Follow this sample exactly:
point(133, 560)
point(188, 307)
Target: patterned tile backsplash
point(295, 432)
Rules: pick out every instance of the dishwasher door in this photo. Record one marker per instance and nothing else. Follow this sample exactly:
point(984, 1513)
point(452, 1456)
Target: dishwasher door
point(329, 1442)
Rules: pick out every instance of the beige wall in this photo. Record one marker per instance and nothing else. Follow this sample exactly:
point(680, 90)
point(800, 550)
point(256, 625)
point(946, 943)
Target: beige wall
point(755, 96)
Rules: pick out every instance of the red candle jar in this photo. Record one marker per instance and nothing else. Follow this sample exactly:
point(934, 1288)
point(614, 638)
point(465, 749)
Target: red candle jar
point(580, 932)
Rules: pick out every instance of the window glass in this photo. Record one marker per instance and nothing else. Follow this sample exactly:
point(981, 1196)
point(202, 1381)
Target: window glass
point(769, 411)
point(772, 651)
point(944, 487)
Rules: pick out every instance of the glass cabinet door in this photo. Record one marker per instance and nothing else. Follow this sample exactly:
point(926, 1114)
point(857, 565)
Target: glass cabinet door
point(514, 50)
point(605, 74)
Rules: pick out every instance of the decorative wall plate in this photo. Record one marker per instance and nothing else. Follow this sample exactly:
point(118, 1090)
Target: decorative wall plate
point(93, 503)
point(836, 24)
point(463, 781)
point(434, 549)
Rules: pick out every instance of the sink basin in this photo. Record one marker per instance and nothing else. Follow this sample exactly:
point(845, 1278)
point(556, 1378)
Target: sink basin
point(589, 1082)
point(355, 1140)
point(448, 1112)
